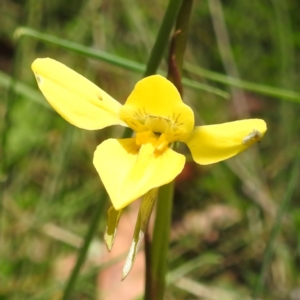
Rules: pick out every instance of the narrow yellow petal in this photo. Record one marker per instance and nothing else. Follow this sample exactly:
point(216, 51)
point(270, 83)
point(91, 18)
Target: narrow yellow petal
point(128, 172)
point(156, 105)
point(74, 97)
point(213, 143)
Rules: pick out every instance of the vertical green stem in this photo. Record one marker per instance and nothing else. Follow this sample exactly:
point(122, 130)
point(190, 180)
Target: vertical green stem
point(162, 39)
point(160, 243)
point(178, 44)
point(294, 180)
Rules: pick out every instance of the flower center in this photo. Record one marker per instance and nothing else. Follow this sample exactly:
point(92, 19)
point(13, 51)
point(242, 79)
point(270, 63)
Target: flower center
point(159, 142)
point(158, 124)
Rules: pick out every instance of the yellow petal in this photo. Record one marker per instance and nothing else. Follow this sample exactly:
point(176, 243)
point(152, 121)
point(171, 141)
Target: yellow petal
point(128, 172)
point(156, 105)
point(213, 143)
point(74, 97)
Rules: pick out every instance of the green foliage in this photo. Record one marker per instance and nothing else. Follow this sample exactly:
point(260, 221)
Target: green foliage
point(223, 214)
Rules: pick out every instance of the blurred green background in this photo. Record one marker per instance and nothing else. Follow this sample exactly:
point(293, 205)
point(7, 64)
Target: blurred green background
point(223, 213)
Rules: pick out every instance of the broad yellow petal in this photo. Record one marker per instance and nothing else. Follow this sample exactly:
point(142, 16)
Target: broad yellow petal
point(74, 97)
point(213, 143)
point(156, 105)
point(128, 172)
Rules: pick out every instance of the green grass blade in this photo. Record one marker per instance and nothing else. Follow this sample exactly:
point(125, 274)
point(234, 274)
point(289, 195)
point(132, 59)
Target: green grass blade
point(111, 58)
point(86, 51)
point(140, 68)
point(247, 85)
point(160, 242)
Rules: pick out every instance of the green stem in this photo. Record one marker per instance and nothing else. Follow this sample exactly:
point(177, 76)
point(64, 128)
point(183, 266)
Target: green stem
point(83, 251)
point(148, 269)
point(178, 45)
point(276, 227)
point(155, 285)
point(162, 39)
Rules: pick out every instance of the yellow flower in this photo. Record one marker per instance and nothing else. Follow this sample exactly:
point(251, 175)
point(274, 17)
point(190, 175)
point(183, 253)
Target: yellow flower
point(130, 167)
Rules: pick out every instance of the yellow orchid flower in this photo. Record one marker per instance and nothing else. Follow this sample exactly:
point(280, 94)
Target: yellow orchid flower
point(131, 167)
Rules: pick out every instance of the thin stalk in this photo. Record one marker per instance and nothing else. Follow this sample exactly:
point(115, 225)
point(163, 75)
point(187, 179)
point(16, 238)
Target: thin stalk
point(162, 39)
point(178, 45)
point(155, 285)
point(294, 179)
